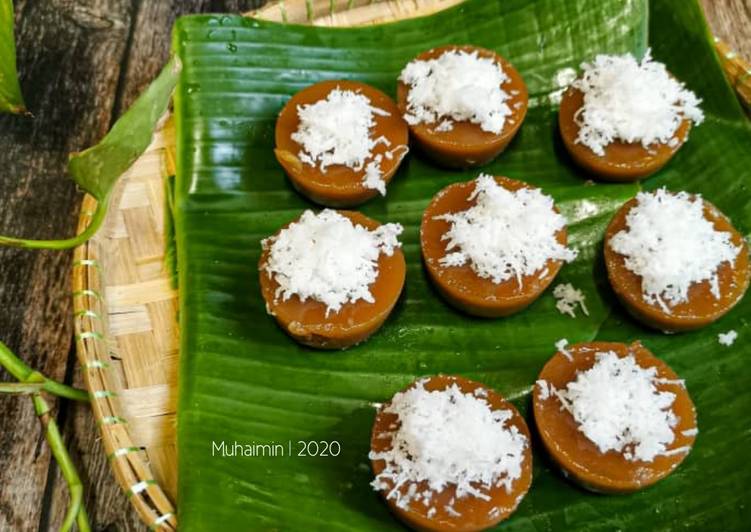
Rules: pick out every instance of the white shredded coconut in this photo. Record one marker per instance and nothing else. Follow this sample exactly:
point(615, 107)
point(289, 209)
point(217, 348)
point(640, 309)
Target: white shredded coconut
point(338, 130)
point(451, 511)
point(560, 345)
point(567, 298)
point(631, 101)
point(585, 209)
point(542, 384)
point(727, 338)
point(448, 437)
point(561, 80)
point(617, 407)
point(671, 245)
point(327, 258)
point(678, 450)
point(456, 86)
point(505, 234)
point(373, 177)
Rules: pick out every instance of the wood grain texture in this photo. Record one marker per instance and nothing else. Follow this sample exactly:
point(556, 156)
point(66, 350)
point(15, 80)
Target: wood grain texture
point(730, 20)
point(82, 63)
point(69, 55)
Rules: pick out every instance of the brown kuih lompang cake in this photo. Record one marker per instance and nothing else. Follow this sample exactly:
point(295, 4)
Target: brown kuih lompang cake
point(450, 454)
point(340, 142)
point(622, 161)
point(696, 274)
point(613, 417)
point(623, 119)
point(464, 104)
point(307, 304)
point(502, 286)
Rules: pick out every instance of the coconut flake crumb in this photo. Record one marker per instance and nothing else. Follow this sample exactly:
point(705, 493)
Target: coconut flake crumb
point(339, 130)
point(447, 437)
point(327, 258)
point(727, 338)
point(456, 86)
point(542, 384)
point(451, 511)
point(564, 77)
point(671, 246)
point(561, 80)
point(560, 345)
point(505, 234)
point(617, 406)
point(567, 298)
point(373, 177)
point(585, 209)
point(677, 450)
point(631, 101)
point(445, 125)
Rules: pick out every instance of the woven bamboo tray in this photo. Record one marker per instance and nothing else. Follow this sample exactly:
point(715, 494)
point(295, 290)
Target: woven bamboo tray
point(126, 310)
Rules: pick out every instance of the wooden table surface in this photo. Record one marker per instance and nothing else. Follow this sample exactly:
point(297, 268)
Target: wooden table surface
point(82, 63)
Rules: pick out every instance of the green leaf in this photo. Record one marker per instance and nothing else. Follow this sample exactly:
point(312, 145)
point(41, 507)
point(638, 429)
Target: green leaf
point(97, 169)
point(242, 379)
point(11, 100)
point(170, 253)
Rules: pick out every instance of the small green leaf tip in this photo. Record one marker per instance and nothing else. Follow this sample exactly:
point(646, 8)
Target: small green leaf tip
point(11, 100)
point(98, 168)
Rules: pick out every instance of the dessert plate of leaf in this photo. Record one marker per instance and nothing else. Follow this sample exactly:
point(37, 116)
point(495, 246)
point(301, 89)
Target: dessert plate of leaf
point(243, 381)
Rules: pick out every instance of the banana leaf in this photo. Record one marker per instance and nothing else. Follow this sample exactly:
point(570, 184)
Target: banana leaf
point(243, 380)
point(11, 100)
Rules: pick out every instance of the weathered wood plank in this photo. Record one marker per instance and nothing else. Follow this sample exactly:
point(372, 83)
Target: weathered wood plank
point(68, 58)
point(730, 20)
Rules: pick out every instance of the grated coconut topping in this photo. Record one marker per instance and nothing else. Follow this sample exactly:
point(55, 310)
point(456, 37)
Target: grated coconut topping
point(449, 437)
point(327, 258)
point(505, 234)
point(631, 101)
point(338, 130)
point(617, 406)
point(671, 245)
point(456, 86)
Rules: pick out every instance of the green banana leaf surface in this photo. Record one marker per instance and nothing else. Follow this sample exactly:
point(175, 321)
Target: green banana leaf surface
point(243, 380)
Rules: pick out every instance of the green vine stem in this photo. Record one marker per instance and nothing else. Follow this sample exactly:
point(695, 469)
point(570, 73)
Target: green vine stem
point(52, 434)
point(26, 375)
point(20, 388)
point(33, 383)
point(93, 227)
point(82, 520)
